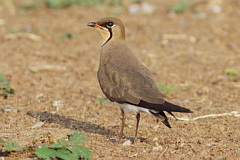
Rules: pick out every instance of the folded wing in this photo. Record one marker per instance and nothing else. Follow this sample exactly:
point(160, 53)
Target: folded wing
point(125, 85)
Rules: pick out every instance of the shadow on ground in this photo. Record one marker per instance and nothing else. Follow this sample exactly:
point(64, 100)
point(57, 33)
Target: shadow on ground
point(71, 123)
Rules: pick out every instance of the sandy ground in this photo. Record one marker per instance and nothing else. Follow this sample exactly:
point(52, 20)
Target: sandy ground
point(190, 50)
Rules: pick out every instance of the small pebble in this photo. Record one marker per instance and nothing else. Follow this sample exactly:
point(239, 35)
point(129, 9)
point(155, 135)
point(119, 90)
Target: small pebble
point(216, 9)
point(206, 89)
point(134, 9)
point(27, 28)
point(47, 67)
point(164, 42)
point(57, 104)
point(40, 95)
point(10, 110)
point(156, 127)
point(135, 155)
point(127, 143)
point(175, 100)
point(2, 22)
point(155, 139)
point(37, 125)
point(157, 148)
point(201, 15)
point(186, 101)
point(147, 8)
point(222, 77)
point(192, 39)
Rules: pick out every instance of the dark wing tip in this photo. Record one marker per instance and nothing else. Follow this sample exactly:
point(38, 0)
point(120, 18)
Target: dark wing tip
point(166, 106)
point(161, 116)
point(190, 111)
point(166, 123)
point(172, 114)
point(175, 108)
point(185, 110)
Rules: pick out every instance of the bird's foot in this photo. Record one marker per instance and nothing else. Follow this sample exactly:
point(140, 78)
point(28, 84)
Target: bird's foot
point(117, 140)
point(138, 139)
point(134, 140)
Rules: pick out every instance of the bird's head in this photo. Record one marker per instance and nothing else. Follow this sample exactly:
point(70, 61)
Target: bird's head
point(110, 28)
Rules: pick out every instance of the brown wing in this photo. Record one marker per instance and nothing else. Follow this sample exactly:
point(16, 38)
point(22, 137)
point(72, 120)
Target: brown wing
point(126, 85)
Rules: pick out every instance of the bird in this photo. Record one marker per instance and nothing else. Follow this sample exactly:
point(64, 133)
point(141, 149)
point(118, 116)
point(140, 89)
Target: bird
point(125, 80)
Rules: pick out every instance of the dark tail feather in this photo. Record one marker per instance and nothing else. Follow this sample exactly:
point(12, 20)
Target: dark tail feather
point(171, 114)
point(162, 117)
point(175, 108)
point(166, 106)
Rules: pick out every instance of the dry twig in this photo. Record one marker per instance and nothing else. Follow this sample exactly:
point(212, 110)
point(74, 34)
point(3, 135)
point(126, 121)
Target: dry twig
point(232, 113)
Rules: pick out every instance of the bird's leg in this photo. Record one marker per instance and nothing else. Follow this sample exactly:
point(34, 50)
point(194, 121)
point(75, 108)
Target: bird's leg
point(123, 123)
point(136, 131)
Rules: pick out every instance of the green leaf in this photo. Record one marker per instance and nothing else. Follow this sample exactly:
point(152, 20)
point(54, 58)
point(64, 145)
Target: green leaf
point(231, 71)
point(161, 87)
point(77, 138)
point(63, 142)
point(5, 89)
point(2, 76)
point(4, 83)
point(66, 150)
point(10, 92)
point(55, 3)
point(30, 5)
point(172, 87)
point(81, 151)
point(66, 35)
point(45, 152)
point(167, 88)
point(181, 7)
point(66, 155)
point(2, 141)
point(102, 100)
point(56, 146)
point(10, 146)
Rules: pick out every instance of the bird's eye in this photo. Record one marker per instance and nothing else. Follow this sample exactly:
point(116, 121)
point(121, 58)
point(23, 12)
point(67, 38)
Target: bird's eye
point(110, 24)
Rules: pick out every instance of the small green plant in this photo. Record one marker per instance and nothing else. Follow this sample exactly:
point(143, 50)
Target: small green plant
point(231, 71)
point(58, 3)
point(102, 100)
point(233, 74)
point(9, 146)
point(167, 89)
point(65, 35)
point(67, 3)
point(5, 89)
point(31, 5)
point(182, 6)
point(66, 149)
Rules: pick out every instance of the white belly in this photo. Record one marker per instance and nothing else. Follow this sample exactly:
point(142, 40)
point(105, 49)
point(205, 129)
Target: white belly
point(133, 108)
